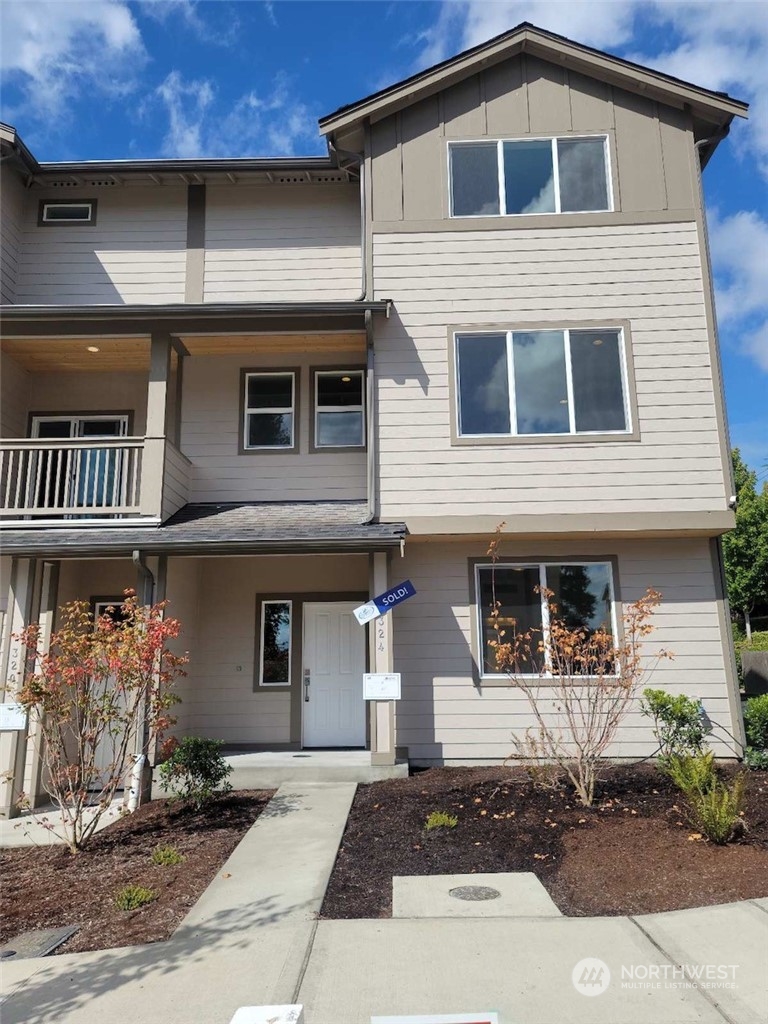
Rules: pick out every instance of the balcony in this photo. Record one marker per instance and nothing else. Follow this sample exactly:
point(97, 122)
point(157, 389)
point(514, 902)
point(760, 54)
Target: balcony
point(101, 479)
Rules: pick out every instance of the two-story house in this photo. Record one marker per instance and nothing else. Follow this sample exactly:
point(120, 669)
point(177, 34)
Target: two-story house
point(269, 389)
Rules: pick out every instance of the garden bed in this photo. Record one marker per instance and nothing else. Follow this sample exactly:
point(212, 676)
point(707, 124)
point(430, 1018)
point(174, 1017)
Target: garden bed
point(47, 887)
point(635, 852)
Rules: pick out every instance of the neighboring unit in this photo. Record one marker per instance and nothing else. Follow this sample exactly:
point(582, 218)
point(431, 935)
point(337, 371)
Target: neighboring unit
point(272, 389)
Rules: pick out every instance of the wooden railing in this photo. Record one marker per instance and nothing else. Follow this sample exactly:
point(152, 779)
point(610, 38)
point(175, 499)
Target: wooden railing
point(78, 478)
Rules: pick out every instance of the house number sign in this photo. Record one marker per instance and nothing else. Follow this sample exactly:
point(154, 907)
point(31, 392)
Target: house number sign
point(384, 602)
point(381, 686)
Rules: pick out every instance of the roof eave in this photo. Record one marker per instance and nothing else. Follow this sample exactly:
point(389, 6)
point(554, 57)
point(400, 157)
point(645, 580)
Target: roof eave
point(204, 311)
point(537, 42)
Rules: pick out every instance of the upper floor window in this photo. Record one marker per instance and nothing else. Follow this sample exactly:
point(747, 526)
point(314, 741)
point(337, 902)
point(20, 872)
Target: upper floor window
point(529, 176)
point(269, 410)
point(59, 211)
point(582, 593)
point(542, 382)
point(339, 409)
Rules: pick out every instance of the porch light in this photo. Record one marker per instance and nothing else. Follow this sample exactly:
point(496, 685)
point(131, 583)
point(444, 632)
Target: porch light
point(598, 341)
point(93, 348)
point(345, 380)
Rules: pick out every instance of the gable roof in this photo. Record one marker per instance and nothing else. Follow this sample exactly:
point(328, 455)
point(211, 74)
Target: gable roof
point(717, 107)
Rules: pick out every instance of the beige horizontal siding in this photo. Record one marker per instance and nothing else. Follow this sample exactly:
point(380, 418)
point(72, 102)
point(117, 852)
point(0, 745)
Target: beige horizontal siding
point(443, 715)
point(12, 199)
point(14, 398)
point(175, 481)
point(212, 428)
point(282, 243)
point(649, 275)
point(136, 251)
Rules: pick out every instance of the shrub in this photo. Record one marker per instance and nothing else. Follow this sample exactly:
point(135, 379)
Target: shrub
point(440, 819)
point(717, 811)
point(677, 723)
point(97, 686)
point(692, 774)
point(167, 856)
point(755, 759)
point(756, 721)
point(131, 897)
point(195, 771)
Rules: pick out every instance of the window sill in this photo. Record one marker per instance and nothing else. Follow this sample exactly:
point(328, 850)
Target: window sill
point(553, 439)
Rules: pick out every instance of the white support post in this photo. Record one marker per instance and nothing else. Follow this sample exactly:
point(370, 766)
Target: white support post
point(33, 771)
point(13, 745)
point(382, 712)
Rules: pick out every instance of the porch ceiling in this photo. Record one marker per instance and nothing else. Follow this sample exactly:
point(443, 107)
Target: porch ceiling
point(250, 528)
point(249, 344)
point(64, 355)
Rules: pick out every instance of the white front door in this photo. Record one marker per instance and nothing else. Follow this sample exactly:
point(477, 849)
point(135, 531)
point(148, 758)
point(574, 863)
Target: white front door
point(332, 676)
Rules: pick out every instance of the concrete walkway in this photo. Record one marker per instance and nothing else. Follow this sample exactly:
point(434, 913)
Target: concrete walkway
point(253, 938)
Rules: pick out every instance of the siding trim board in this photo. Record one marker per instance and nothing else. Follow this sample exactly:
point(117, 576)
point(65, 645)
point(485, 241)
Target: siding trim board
point(482, 681)
point(543, 220)
point(194, 282)
point(613, 524)
point(628, 382)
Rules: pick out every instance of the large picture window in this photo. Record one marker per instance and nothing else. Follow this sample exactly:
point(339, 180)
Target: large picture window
point(583, 594)
point(275, 667)
point(543, 382)
point(269, 410)
point(529, 176)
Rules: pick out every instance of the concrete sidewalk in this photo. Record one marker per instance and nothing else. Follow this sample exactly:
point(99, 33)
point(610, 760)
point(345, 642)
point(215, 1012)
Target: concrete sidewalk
point(253, 938)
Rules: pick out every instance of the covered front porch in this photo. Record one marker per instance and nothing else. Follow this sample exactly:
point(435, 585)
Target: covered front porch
point(264, 593)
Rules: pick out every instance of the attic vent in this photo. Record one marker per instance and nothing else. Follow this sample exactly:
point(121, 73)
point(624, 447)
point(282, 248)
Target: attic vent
point(101, 184)
point(62, 184)
point(325, 178)
point(291, 179)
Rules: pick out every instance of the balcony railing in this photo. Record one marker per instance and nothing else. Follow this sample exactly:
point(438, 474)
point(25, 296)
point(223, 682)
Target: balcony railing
point(71, 478)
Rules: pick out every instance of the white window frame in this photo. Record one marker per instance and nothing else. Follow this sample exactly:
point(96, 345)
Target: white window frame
point(566, 331)
point(275, 410)
point(264, 604)
point(339, 408)
point(58, 203)
point(501, 183)
point(542, 567)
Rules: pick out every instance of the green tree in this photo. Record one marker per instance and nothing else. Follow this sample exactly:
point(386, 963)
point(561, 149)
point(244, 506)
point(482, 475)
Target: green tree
point(746, 547)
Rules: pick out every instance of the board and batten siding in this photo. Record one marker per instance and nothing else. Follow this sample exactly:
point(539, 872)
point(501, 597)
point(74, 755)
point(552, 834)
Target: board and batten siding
point(649, 275)
point(211, 433)
point(218, 596)
point(282, 242)
point(652, 154)
point(13, 199)
point(135, 252)
point(444, 715)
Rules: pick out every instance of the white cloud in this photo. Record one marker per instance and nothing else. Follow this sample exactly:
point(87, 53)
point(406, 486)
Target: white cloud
point(220, 31)
point(55, 51)
point(256, 125)
point(739, 246)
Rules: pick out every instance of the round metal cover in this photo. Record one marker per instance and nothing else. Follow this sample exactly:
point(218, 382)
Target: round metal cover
point(474, 892)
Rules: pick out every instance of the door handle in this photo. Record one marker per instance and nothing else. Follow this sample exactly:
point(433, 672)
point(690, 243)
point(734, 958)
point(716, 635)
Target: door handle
point(307, 681)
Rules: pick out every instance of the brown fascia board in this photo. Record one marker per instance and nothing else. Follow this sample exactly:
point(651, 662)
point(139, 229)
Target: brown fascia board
point(234, 165)
point(715, 106)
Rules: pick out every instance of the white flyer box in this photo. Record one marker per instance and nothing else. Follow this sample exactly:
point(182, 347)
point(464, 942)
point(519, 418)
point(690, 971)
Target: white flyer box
point(13, 718)
point(381, 686)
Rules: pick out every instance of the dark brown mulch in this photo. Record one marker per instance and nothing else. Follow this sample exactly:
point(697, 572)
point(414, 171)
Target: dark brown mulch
point(631, 854)
point(47, 887)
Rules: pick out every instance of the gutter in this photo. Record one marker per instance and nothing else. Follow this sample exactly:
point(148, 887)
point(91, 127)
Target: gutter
point(202, 310)
point(370, 418)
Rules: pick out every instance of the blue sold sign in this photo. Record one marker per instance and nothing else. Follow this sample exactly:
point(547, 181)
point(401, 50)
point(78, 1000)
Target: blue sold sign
point(384, 602)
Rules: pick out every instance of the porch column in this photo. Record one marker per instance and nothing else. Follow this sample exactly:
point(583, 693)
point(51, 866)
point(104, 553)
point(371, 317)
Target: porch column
point(33, 771)
point(158, 393)
point(13, 745)
point(382, 712)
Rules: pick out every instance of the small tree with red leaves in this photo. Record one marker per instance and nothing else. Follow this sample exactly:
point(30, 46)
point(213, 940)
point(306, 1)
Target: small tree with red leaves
point(580, 683)
point(102, 692)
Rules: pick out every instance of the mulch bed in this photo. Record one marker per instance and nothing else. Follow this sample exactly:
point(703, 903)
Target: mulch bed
point(631, 854)
point(47, 887)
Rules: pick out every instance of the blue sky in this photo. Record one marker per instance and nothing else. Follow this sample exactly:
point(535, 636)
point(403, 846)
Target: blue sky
point(213, 78)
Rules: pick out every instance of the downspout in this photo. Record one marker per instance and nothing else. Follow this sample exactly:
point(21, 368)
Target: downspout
point(370, 417)
point(148, 587)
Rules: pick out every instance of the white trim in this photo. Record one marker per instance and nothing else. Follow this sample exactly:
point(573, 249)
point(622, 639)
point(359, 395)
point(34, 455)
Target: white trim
point(566, 332)
point(31, 523)
point(286, 682)
point(553, 139)
point(542, 567)
point(274, 410)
